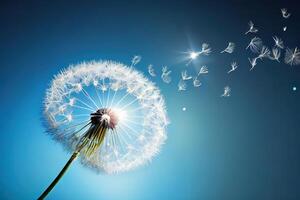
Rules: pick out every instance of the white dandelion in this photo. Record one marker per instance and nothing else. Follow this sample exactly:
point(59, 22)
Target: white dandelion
point(278, 42)
point(135, 60)
point(255, 44)
point(206, 50)
point(115, 130)
point(166, 75)
point(292, 56)
point(203, 70)
point(181, 85)
point(234, 66)
point(196, 82)
point(275, 54)
point(227, 92)
point(230, 48)
point(252, 29)
point(185, 76)
point(253, 62)
point(285, 13)
point(151, 70)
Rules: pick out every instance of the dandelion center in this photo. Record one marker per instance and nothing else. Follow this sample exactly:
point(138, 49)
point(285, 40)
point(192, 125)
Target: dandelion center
point(106, 117)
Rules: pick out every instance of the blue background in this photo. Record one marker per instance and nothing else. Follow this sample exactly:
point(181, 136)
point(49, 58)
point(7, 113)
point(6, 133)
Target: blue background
point(243, 147)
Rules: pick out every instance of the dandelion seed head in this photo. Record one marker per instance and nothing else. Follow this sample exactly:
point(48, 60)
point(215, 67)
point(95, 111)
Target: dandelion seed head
point(127, 105)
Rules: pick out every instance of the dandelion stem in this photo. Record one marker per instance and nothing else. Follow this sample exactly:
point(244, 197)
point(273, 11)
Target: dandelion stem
point(59, 176)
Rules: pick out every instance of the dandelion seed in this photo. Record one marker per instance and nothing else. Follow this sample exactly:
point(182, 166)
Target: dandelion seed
point(284, 28)
point(252, 29)
point(285, 13)
point(181, 85)
point(292, 56)
point(252, 62)
point(203, 70)
point(206, 50)
point(230, 48)
point(264, 53)
point(275, 54)
point(278, 42)
point(185, 76)
point(196, 82)
point(135, 60)
point(165, 76)
point(234, 66)
point(227, 91)
point(255, 44)
point(98, 127)
point(151, 70)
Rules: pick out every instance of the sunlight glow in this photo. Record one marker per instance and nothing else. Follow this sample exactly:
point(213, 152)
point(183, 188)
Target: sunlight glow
point(194, 55)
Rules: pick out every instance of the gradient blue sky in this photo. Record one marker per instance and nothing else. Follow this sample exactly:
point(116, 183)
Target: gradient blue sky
point(243, 147)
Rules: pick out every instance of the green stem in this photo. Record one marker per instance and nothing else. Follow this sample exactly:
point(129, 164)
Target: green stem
point(61, 173)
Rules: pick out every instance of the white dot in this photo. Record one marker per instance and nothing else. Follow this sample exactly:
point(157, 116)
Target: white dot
point(193, 55)
point(294, 88)
point(184, 109)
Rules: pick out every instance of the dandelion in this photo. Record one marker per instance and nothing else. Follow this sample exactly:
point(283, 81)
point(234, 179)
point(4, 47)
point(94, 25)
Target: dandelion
point(111, 131)
point(151, 70)
point(203, 70)
point(181, 85)
point(230, 48)
point(252, 29)
point(196, 82)
point(278, 42)
point(227, 91)
point(185, 76)
point(292, 56)
point(234, 66)
point(275, 54)
point(253, 62)
point(165, 76)
point(285, 13)
point(255, 44)
point(135, 60)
